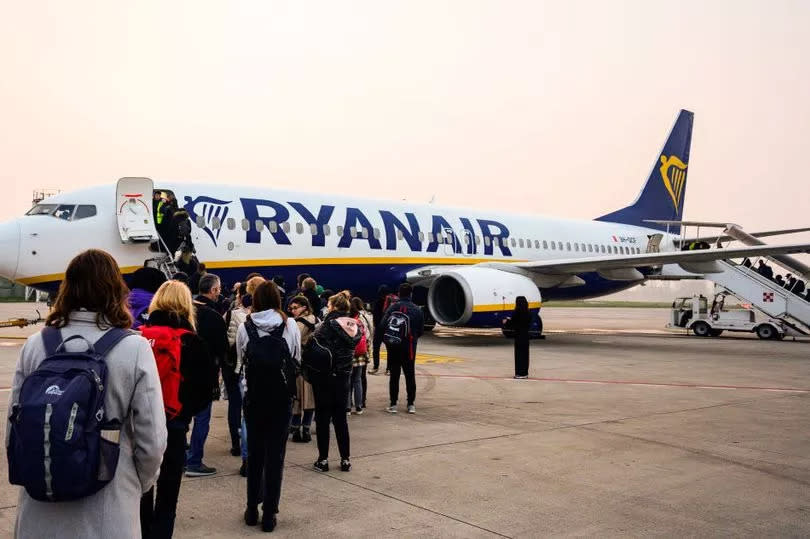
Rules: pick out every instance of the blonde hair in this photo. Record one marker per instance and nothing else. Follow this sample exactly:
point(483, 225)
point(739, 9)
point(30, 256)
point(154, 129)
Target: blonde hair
point(346, 293)
point(252, 284)
point(339, 302)
point(175, 297)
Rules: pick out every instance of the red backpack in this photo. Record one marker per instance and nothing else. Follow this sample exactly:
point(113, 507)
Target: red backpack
point(362, 345)
point(166, 345)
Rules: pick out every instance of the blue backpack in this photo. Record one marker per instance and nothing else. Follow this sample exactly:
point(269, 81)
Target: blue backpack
point(56, 450)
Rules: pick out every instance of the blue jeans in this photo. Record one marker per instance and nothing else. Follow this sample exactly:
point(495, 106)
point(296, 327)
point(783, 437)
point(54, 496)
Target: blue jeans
point(356, 388)
point(202, 424)
point(243, 429)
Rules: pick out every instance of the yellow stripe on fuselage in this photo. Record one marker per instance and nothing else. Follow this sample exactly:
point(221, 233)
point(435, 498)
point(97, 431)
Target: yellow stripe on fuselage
point(497, 307)
point(230, 264)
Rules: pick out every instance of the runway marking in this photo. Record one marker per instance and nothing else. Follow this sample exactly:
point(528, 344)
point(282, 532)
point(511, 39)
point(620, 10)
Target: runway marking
point(431, 359)
point(10, 344)
point(623, 382)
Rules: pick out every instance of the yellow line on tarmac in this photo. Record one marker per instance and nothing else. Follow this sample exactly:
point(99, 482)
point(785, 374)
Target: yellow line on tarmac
point(429, 358)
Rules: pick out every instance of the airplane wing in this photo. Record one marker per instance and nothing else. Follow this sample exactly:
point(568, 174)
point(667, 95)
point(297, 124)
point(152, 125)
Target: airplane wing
point(695, 261)
point(763, 234)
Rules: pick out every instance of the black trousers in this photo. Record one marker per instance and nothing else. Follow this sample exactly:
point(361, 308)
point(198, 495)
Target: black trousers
point(331, 394)
point(158, 514)
point(231, 380)
point(267, 426)
point(522, 354)
point(364, 382)
point(375, 349)
point(399, 360)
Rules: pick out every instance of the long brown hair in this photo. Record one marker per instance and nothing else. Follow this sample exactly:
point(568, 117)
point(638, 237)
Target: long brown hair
point(266, 297)
point(92, 282)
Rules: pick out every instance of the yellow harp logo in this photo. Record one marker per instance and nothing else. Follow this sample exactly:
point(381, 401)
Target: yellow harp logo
point(673, 172)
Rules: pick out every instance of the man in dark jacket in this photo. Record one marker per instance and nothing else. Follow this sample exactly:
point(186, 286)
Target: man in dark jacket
point(402, 356)
point(211, 329)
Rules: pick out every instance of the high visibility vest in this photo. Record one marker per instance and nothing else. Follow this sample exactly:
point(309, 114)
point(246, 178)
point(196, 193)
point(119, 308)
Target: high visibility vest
point(159, 216)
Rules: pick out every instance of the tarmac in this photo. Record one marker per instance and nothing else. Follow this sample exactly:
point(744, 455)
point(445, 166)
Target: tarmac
point(623, 429)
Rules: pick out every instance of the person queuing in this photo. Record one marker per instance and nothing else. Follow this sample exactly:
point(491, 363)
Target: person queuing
point(92, 303)
point(340, 334)
point(269, 345)
point(359, 383)
point(520, 324)
point(143, 285)
point(230, 372)
point(402, 325)
point(186, 372)
point(304, 407)
point(308, 291)
point(211, 328)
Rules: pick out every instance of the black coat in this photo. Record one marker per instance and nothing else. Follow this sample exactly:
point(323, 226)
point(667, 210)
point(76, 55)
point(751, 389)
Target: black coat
point(314, 300)
point(211, 327)
point(331, 335)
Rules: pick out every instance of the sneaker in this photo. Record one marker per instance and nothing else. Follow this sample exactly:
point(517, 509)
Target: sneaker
point(521, 377)
point(373, 371)
point(359, 411)
point(345, 465)
point(321, 465)
point(199, 471)
point(411, 409)
point(388, 373)
point(392, 409)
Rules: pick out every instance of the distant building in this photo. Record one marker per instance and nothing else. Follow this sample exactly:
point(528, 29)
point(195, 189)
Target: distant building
point(10, 290)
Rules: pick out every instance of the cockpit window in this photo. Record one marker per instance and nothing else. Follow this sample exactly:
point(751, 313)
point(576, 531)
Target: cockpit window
point(41, 209)
point(83, 211)
point(64, 211)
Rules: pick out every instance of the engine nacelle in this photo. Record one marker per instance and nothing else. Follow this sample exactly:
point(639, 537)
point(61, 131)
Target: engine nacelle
point(478, 297)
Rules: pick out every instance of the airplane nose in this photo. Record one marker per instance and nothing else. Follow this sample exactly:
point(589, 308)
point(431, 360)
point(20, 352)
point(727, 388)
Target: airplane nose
point(9, 248)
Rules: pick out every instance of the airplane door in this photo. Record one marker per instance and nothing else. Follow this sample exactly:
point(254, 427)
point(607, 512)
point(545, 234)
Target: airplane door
point(449, 242)
point(133, 205)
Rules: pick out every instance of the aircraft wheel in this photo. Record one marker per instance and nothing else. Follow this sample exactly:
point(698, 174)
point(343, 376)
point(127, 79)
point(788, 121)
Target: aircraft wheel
point(701, 329)
point(766, 331)
point(716, 332)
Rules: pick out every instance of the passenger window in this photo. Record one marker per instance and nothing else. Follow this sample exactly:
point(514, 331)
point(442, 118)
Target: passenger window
point(553, 246)
point(285, 226)
point(273, 227)
point(84, 211)
point(216, 224)
point(313, 229)
point(260, 225)
point(602, 247)
point(568, 246)
point(576, 247)
point(299, 228)
point(326, 230)
point(399, 235)
point(487, 241)
point(245, 225)
point(430, 237)
point(478, 240)
point(590, 247)
point(353, 232)
point(376, 233)
point(536, 244)
point(365, 233)
point(340, 230)
point(520, 242)
point(545, 244)
point(200, 221)
point(421, 236)
point(514, 243)
point(231, 222)
point(582, 247)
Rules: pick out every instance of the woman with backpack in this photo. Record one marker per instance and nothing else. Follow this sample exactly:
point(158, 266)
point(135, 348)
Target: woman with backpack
point(339, 334)
point(186, 370)
point(91, 304)
point(304, 407)
point(268, 344)
point(359, 384)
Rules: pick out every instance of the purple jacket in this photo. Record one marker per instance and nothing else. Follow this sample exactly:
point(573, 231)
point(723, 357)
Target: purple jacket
point(138, 304)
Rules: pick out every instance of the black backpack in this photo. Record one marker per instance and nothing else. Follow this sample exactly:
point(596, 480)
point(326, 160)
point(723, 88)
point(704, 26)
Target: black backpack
point(397, 331)
point(270, 369)
point(316, 359)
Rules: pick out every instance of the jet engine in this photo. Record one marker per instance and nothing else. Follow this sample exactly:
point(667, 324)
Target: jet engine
point(478, 297)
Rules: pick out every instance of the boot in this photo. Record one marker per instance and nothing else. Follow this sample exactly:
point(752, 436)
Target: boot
point(297, 437)
point(305, 437)
point(252, 515)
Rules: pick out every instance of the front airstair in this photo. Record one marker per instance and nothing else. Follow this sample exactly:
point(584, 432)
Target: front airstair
point(764, 295)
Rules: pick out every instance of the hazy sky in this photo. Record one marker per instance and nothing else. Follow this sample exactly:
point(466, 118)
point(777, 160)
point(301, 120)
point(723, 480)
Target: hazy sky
point(542, 107)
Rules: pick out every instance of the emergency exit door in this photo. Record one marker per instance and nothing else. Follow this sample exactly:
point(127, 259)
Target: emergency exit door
point(133, 205)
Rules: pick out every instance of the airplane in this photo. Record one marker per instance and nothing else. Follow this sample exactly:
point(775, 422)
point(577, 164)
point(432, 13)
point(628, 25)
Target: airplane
point(468, 265)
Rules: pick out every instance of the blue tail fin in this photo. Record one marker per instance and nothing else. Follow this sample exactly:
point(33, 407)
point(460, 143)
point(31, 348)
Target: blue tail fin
point(663, 195)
